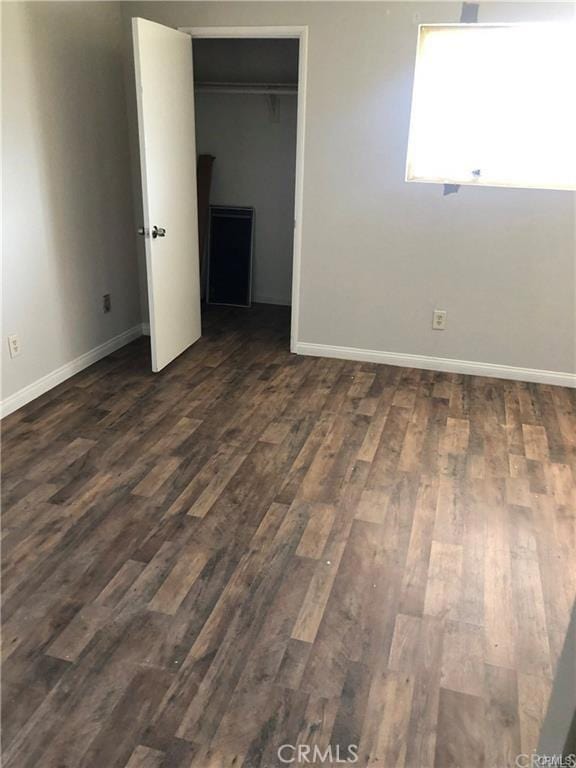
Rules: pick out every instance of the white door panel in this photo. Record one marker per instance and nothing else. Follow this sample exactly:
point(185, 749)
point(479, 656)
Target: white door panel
point(165, 96)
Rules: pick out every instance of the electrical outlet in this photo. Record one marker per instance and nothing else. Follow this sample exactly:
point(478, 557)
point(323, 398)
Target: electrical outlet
point(106, 303)
point(439, 320)
point(14, 345)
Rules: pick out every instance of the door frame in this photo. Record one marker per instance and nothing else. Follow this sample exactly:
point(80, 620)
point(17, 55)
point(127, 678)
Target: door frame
point(299, 33)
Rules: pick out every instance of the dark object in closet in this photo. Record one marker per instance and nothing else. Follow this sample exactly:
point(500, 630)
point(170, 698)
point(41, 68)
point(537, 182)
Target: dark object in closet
point(230, 248)
point(203, 181)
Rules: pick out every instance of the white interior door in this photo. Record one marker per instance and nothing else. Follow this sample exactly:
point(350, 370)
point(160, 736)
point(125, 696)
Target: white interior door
point(165, 96)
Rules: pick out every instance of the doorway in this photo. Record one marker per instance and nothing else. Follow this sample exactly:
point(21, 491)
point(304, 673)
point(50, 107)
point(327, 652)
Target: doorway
point(249, 109)
point(165, 96)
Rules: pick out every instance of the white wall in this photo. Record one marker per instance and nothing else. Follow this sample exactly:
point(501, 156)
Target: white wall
point(68, 228)
point(255, 166)
point(379, 254)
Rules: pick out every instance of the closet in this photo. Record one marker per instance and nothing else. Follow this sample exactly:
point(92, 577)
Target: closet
point(246, 122)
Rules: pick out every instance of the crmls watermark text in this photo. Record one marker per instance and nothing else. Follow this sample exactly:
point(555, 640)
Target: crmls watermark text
point(535, 760)
point(304, 753)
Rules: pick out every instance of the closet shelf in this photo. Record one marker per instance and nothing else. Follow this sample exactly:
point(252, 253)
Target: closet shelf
point(266, 89)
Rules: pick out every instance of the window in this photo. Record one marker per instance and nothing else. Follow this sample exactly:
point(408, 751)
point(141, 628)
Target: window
point(495, 105)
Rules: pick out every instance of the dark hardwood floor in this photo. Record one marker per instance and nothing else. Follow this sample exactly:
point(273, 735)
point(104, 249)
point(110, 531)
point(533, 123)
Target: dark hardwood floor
point(253, 549)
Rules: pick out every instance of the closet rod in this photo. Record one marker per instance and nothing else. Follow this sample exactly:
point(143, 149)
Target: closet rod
point(266, 89)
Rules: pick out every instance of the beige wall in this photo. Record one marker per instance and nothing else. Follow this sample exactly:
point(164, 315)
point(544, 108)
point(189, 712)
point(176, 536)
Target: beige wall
point(68, 228)
point(379, 254)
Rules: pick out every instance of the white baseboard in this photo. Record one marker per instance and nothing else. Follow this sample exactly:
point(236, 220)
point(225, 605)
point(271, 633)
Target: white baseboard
point(437, 364)
point(271, 300)
point(51, 380)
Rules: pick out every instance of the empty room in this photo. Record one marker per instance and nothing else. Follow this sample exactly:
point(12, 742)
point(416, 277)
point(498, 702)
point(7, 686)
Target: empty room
point(288, 384)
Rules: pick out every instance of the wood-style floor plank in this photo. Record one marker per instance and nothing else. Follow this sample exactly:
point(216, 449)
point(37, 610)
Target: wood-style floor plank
point(253, 549)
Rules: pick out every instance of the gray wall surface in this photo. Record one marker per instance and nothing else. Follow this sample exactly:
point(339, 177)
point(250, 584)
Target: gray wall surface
point(562, 705)
point(246, 60)
point(68, 228)
point(378, 254)
point(255, 166)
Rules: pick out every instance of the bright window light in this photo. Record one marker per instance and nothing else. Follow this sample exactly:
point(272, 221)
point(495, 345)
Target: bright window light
point(495, 105)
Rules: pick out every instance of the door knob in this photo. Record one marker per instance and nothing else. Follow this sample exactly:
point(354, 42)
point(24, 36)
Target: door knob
point(158, 232)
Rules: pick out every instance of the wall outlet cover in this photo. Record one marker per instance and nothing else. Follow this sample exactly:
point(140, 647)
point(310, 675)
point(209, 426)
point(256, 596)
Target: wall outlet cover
point(14, 345)
point(439, 319)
